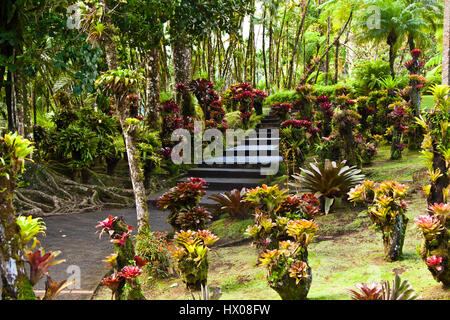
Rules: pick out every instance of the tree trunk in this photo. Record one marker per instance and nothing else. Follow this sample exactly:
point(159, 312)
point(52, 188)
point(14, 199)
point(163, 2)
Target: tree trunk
point(327, 58)
point(393, 241)
point(392, 55)
point(129, 132)
point(152, 87)
point(280, 40)
point(446, 45)
point(9, 102)
point(264, 49)
point(297, 40)
point(436, 192)
point(182, 61)
point(336, 63)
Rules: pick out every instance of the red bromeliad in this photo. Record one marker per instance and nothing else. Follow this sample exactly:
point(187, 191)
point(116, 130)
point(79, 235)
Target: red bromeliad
point(435, 262)
point(130, 272)
point(40, 262)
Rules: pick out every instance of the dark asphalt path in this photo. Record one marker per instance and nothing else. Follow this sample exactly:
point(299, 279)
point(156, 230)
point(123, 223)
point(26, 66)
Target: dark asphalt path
point(75, 237)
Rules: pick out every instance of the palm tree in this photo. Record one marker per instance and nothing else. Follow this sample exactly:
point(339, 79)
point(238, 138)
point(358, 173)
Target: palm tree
point(398, 19)
point(431, 12)
point(446, 47)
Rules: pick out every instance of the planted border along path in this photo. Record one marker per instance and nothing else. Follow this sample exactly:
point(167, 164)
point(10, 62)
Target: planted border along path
point(80, 246)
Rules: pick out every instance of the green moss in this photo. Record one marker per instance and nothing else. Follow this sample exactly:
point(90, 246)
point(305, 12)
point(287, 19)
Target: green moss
point(25, 289)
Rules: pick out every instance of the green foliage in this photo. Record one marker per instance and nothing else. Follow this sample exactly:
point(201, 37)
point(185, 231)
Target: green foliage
point(283, 96)
point(193, 19)
point(366, 75)
point(30, 228)
point(79, 144)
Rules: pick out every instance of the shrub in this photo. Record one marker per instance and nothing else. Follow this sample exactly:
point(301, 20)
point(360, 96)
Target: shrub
point(281, 110)
point(184, 196)
point(191, 255)
point(155, 249)
point(435, 250)
point(194, 218)
point(284, 96)
point(285, 237)
point(387, 210)
point(366, 75)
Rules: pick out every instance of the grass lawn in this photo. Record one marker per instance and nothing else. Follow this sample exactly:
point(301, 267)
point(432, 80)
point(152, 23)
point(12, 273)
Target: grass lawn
point(427, 102)
point(345, 253)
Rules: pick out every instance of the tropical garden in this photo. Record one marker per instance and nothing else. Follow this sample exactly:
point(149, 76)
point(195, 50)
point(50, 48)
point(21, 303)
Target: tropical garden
point(108, 110)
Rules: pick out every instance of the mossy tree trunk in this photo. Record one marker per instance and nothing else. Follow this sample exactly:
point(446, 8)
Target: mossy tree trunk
point(396, 152)
point(287, 287)
point(437, 188)
point(394, 237)
point(129, 133)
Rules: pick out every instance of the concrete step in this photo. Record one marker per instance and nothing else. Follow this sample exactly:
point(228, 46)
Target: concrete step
point(253, 160)
point(270, 119)
point(205, 172)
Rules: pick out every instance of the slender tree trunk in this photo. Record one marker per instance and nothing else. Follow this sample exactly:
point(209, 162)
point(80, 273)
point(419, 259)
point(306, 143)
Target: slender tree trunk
point(280, 40)
point(9, 102)
point(327, 59)
point(264, 48)
point(271, 66)
point(297, 40)
point(136, 173)
point(446, 45)
point(336, 63)
point(248, 76)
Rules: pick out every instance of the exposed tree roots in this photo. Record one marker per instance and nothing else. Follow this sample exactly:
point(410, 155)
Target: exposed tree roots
point(47, 192)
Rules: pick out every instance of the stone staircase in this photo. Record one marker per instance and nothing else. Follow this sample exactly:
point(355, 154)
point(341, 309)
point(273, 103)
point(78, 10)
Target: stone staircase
point(241, 166)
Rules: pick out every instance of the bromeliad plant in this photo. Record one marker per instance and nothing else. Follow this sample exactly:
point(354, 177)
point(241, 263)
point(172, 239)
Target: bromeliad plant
point(328, 181)
point(281, 110)
point(233, 203)
point(398, 117)
point(399, 290)
point(435, 249)
point(183, 200)
point(191, 255)
point(297, 137)
point(436, 145)
point(387, 210)
point(283, 229)
point(16, 233)
point(125, 265)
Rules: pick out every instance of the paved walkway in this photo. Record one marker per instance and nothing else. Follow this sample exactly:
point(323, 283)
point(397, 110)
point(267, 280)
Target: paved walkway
point(75, 236)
